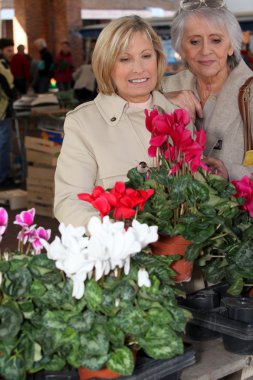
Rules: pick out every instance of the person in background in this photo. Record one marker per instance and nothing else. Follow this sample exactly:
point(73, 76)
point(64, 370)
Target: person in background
point(45, 66)
point(208, 37)
point(84, 83)
point(63, 67)
point(7, 95)
point(20, 68)
point(106, 137)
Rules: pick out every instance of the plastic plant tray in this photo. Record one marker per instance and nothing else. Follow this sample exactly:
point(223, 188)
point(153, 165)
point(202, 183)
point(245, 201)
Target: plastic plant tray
point(145, 369)
point(150, 369)
point(237, 335)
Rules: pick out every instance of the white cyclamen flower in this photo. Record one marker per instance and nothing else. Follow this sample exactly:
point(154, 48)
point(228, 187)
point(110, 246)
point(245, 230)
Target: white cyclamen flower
point(111, 243)
point(145, 234)
point(143, 278)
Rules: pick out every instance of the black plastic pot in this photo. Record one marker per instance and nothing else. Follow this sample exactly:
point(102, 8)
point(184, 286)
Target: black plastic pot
point(205, 299)
point(232, 319)
point(239, 309)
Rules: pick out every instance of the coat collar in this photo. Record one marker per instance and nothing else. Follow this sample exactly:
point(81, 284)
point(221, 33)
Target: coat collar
point(112, 107)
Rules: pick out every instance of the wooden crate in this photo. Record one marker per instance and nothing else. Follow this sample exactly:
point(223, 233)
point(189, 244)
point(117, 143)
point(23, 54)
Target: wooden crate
point(41, 208)
point(15, 199)
point(40, 173)
point(35, 184)
point(42, 145)
point(40, 158)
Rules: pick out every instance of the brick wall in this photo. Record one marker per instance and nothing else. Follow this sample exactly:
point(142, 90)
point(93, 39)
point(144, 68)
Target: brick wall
point(53, 20)
point(130, 4)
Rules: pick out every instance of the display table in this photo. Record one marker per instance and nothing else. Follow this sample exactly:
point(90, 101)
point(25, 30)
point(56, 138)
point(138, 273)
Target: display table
point(214, 362)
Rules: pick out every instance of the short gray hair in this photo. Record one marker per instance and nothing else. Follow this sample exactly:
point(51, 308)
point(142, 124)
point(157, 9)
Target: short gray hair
point(220, 17)
point(40, 43)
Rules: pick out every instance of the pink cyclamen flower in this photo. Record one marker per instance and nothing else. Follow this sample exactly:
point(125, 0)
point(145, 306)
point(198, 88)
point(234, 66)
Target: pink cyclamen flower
point(25, 218)
point(244, 188)
point(36, 237)
point(25, 233)
point(3, 221)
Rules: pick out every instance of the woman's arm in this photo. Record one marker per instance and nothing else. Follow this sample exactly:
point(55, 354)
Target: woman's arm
point(187, 100)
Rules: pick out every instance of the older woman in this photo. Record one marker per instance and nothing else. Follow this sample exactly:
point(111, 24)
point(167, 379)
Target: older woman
point(106, 137)
point(208, 38)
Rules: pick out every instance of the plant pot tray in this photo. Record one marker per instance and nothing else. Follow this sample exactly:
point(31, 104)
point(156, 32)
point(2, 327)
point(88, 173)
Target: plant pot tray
point(210, 315)
point(151, 369)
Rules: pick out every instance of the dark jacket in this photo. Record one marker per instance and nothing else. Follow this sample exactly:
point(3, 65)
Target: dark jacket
point(46, 63)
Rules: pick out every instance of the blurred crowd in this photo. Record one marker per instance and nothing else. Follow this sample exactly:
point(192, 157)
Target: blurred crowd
point(34, 75)
point(21, 74)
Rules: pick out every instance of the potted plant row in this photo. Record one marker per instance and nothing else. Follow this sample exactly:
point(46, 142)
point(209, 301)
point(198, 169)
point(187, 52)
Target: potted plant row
point(213, 215)
point(89, 301)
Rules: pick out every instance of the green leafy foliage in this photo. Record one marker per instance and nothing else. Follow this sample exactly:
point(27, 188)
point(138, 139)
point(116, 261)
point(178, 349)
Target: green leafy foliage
point(203, 209)
point(43, 327)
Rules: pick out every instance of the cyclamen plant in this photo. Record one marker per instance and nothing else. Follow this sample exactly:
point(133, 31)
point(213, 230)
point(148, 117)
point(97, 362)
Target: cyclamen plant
point(29, 233)
point(109, 247)
point(90, 299)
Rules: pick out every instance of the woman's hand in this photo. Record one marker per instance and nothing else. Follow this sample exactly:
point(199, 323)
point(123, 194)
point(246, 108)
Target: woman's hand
point(216, 166)
point(187, 100)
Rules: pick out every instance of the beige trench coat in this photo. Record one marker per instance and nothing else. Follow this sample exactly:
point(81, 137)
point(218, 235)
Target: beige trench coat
point(226, 122)
point(101, 143)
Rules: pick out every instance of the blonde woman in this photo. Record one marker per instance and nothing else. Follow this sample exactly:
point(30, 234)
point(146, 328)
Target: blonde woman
point(106, 137)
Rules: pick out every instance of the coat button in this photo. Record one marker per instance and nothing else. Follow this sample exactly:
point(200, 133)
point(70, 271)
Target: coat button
point(113, 118)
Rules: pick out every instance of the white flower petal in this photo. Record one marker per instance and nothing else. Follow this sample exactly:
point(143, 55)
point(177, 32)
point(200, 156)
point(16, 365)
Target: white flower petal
point(143, 278)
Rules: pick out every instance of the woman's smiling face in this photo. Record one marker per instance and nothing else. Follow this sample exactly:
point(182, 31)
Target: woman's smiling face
point(135, 70)
point(205, 47)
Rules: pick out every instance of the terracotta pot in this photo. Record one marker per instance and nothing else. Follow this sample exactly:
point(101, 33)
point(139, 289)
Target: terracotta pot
point(104, 373)
point(175, 245)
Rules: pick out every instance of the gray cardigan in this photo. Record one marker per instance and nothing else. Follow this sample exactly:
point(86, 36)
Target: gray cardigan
point(226, 122)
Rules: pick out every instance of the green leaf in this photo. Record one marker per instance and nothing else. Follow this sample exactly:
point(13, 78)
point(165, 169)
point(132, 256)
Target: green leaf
point(18, 282)
point(215, 271)
point(95, 342)
point(27, 308)
point(26, 347)
point(12, 367)
point(82, 323)
point(159, 315)
point(193, 251)
point(11, 319)
point(121, 361)
point(37, 289)
point(236, 288)
point(244, 255)
point(131, 321)
point(4, 266)
point(93, 295)
point(56, 364)
point(199, 235)
point(115, 334)
point(95, 362)
point(161, 342)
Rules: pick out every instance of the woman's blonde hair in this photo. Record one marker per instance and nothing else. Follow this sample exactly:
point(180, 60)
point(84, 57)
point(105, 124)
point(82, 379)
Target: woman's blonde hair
point(114, 39)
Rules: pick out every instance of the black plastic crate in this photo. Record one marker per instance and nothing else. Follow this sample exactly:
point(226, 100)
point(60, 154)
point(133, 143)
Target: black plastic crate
point(214, 317)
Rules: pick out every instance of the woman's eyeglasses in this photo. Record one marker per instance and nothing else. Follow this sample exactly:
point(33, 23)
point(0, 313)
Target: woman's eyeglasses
point(187, 5)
